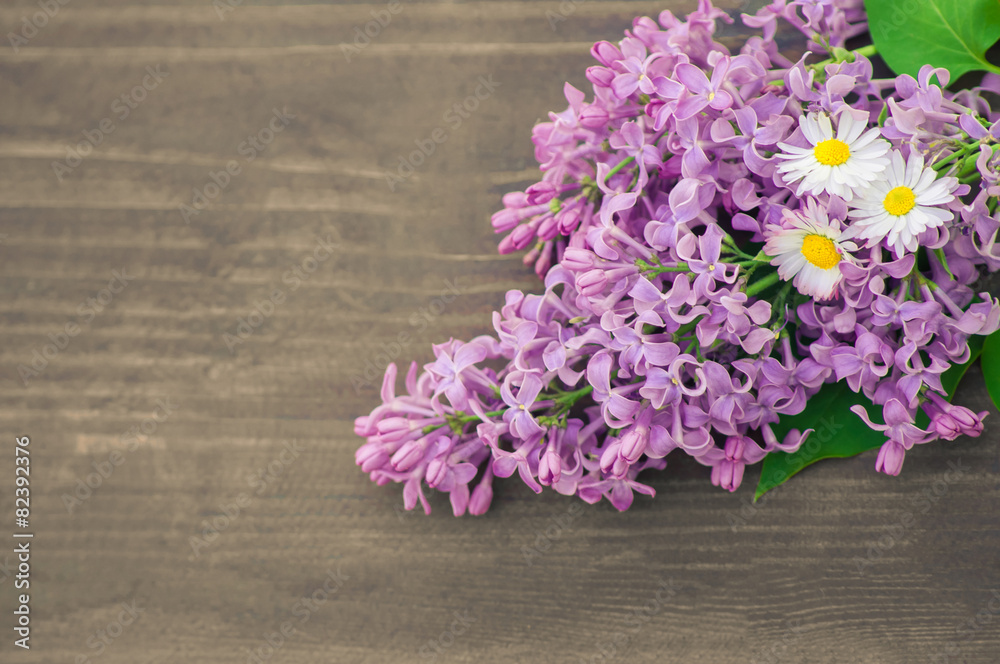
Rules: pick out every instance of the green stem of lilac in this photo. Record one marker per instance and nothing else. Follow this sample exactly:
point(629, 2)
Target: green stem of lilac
point(968, 170)
point(961, 153)
point(751, 266)
point(653, 271)
point(730, 244)
point(779, 302)
point(761, 257)
point(683, 330)
point(620, 165)
point(846, 56)
point(569, 399)
point(762, 285)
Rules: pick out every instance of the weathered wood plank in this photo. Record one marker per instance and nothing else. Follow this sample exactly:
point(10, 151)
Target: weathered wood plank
point(268, 425)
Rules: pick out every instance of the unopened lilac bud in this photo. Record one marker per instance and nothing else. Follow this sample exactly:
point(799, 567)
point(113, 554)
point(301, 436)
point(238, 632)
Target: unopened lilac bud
point(514, 199)
point(577, 259)
point(610, 455)
point(591, 283)
point(633, 444)
point(522, 236)
point(482, 495)
point(549, 467)
point(364, 426)
point(950, 421)
point(506, 246)
point(506, 219)
point(600, 76)
point(594, 117)
point(437, 471)
point(890, 458)
point(548, 229)
point(606, 53)
point(393, 429)
point(371, 457)
point(409, 455)
point(734, 448)
point(541, 192)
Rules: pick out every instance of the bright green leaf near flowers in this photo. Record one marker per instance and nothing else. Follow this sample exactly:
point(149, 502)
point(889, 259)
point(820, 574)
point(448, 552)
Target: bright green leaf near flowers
point(954, 34)
point(991, 367)
point(839, 433)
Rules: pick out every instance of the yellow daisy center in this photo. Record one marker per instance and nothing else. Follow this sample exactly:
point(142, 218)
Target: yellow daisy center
point(832, 152)
point(820, 251)
point(899, 201)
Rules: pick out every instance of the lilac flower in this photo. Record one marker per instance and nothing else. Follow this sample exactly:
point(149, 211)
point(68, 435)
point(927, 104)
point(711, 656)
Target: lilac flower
point(660, 226)
point(519, 417)
point(700, 92)
point(739, 451)
point(950, 421)
point(899, 428)
point(705, 260)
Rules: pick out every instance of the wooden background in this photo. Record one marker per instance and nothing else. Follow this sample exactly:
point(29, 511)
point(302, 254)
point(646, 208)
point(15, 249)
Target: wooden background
point(778, 583)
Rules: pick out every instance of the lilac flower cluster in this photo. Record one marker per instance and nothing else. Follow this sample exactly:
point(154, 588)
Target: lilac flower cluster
point(719, 236)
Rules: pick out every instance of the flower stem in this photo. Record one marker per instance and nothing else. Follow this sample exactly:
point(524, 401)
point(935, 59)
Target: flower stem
point(960, 153)
point(620, 165)
point(762, 285)
point(679, 267)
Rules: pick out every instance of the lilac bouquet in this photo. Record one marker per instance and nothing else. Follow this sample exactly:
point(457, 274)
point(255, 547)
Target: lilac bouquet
point(732, 245)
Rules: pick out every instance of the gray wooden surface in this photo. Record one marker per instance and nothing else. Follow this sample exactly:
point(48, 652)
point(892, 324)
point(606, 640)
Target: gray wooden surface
point(694, 575)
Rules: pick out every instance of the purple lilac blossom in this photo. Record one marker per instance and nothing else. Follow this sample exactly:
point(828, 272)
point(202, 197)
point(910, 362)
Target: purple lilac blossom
point(656, 330)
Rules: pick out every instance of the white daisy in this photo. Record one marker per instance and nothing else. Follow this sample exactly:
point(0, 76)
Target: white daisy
point(838, 165)
point(902, 204)
point(808, 248)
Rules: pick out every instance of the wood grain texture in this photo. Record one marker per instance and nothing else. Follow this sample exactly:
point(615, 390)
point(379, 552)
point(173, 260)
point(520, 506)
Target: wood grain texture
point(779, 582)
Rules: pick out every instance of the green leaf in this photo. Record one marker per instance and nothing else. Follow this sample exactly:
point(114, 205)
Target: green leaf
point(838, 432)
point(991, 366)
point(954, 34)
point(952, 377)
